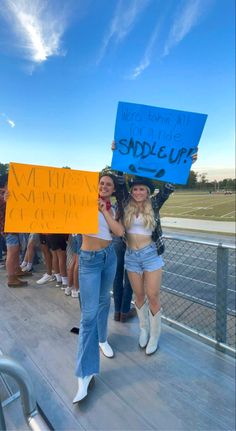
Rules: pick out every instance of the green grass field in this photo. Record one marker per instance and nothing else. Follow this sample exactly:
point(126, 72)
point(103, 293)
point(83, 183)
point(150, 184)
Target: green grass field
point(203, 206)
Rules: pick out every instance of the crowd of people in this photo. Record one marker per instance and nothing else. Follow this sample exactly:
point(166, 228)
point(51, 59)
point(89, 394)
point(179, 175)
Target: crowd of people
point(125, 254)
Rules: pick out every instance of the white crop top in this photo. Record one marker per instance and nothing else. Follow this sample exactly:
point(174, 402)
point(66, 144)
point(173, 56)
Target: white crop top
point(103, 228)
point(138, 227)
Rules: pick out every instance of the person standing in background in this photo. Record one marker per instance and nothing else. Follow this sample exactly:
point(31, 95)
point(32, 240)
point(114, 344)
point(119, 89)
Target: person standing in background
point(122, 290)
point(13, 242)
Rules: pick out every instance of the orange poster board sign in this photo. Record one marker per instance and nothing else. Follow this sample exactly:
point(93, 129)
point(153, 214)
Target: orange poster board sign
point(43, 199)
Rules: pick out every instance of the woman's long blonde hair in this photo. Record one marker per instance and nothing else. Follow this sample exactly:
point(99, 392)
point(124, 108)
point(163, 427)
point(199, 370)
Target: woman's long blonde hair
point(132, 210)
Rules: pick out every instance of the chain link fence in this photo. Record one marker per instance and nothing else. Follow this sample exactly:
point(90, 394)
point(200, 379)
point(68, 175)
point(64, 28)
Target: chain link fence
point(198, 289)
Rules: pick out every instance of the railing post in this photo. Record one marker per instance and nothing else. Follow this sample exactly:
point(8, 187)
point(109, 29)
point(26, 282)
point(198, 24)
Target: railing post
point(221, 293)
point(13, 368)
point(2, 420)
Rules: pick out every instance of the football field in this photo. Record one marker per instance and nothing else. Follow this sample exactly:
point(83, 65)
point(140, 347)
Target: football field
point(203, 206)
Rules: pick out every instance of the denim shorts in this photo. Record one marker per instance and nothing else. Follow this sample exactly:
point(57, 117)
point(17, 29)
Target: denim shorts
point(76, 242)
point(12, 239)
point(144, 259)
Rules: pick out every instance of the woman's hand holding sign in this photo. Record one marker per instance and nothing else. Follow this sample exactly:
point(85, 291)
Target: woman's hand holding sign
point(101, 205)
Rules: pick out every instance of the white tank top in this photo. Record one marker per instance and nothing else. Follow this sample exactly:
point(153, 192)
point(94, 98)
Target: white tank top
point(138, 227)
point(103, 228)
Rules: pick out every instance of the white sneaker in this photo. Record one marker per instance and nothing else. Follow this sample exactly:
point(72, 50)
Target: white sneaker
point(46, 278)
point(62, 286)
point(58, 280)
point(74, 293)
point(26, 268)
point(106, 349)
point(84, 384)
point(68, 290)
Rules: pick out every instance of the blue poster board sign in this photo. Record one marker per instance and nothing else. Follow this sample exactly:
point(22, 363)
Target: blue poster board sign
point(156, 142)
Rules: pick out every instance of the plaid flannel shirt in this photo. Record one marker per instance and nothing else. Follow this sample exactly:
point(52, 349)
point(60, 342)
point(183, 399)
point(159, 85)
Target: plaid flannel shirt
point(157, 202)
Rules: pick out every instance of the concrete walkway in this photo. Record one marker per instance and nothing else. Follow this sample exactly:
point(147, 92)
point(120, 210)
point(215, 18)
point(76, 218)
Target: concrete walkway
point(186, 385)
point(203, 225)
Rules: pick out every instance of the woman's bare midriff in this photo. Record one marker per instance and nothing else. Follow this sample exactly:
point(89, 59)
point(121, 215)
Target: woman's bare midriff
point(136, 241)
point(90, 243)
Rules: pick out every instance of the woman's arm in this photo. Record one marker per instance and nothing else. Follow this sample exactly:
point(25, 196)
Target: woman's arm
point(163, 195)
point(116, 227)
point(122, 188)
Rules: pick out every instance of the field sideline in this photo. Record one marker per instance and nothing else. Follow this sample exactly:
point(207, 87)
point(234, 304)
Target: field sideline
point(203, 206)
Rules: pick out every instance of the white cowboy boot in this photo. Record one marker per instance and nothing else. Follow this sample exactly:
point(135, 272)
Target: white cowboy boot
point(83, 385)
point(106, 349)
point(143, 324)
point(155, 332)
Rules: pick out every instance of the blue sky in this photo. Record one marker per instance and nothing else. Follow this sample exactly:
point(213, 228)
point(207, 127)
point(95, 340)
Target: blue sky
point(65, 64)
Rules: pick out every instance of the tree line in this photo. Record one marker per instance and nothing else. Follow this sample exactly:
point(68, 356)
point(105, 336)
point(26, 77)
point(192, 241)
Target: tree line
point(200, 182)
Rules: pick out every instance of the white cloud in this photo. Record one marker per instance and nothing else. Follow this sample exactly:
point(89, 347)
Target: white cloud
point(11, 123)
point(146, 60)
point(186, 18)
point(122, 22)
point(8, 121)
point(38, 28)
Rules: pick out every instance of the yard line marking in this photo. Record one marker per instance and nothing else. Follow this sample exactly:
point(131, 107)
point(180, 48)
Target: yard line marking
point(178, 206)
point(201, 200)
point(231, 275)
point(191, 266)
point(225, 215)
point(178, 253)
point(193, 204)
point(206, 208)
point(191, 255)
point(220, 203)
point(197, 201)
point(201, 300)
point(213, 271)
point(188, 207)
point(190, 211)
point(186, 195)
point(187, 295)
point(189, 278)
point(194, 216)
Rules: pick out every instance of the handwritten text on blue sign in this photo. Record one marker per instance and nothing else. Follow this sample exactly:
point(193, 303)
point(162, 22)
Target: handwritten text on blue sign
point(156, 142)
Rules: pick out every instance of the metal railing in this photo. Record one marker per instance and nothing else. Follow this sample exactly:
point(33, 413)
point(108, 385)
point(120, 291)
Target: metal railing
point(198, 289)
point(34, 420)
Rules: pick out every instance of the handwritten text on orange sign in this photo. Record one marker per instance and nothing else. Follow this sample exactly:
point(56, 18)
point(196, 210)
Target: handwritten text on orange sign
point(51, 200)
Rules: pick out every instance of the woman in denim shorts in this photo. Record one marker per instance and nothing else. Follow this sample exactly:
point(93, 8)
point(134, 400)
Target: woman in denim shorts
point(14, 241)
point(142, 261)
point(97, 268)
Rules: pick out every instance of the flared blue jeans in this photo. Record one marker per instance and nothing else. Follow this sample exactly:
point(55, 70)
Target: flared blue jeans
point(96, 275)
